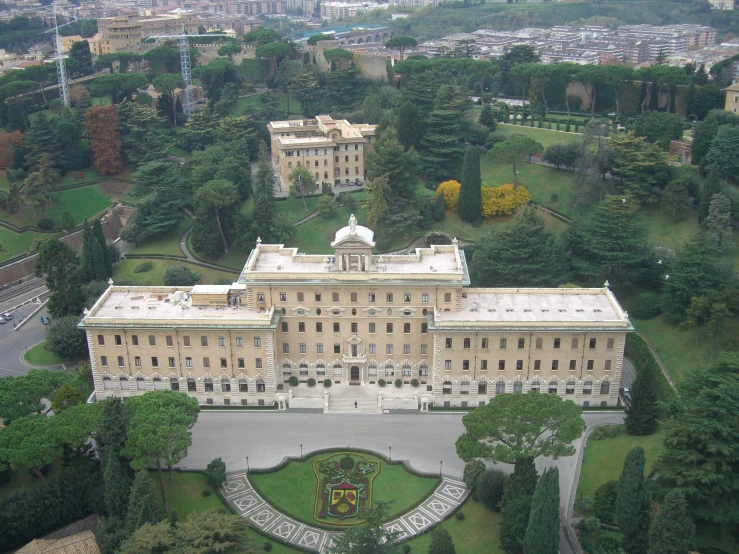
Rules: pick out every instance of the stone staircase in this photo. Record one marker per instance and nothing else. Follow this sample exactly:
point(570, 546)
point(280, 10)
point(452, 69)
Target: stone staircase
point(345, 405)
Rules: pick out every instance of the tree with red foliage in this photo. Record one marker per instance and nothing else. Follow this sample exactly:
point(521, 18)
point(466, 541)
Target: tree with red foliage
point(105, 140)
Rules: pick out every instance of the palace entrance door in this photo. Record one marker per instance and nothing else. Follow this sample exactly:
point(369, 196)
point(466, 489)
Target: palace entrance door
point(354, 375)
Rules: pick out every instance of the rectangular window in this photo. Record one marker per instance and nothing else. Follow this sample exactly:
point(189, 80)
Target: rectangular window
point(448, 365)
point(465, 365)
point(466, 343)
point(448, 343)
point(353, 297)
point(424, 328)
point(388, 349)
point(318, 296)
point(424, 349)
point(354, 327)
point(389, 297)
point(224, 363)
point(484, 365)
point(573, 365)
point(519, 365)
point(372, 327)
point(590, 365)
point(302, 348)
point(406, 328)
point(283, 297)
point(118, 340)
point(203, 341)
point(425, 297)
point(137, 361)
point(169, 340)
point(537, 365)
point(152, 340)
point(556, 343)
point(240, 363)
point(371, 297)
point(258, 363)
point(188, 362)
point(301, 297)
point(186, 340)
point(539, 344)
point(447, 297)
point(285, 348)
point(336, 327)
point(284, 326)
point(503, 343)
point(609, 344)
point(319, 327)
point(319, 348)
point(372, 349)
point(221, 341)
point(592, 343)
point(501, 365)
point(575, 342)
point(484, 343)
point(260, 297)
point(301, 327)
point(206, 362)
point(257, 342)
point(555, 365)
point(171, 361)
point(407, 297)
point(521, 343)
point(337, 349)
point(101, 340)
point(104, 361)
point(389, 328)
point(607, 366)
point(335, 296)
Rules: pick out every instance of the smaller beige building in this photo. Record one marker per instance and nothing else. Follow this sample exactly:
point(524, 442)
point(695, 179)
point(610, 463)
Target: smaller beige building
point(332, 149)
point(732, 98)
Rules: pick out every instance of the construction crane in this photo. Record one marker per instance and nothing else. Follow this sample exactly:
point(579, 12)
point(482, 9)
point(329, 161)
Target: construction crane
point(185, 68)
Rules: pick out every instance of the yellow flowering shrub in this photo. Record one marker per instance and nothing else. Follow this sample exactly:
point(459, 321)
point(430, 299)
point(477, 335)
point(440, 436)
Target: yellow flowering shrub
point(450, 191)
point(503, 200)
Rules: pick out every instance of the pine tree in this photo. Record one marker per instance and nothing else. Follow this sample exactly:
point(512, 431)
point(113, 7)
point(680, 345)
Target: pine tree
point(542, 531)
point(719, 222)
point(488, 119)
point(673, 530)
point(516, 505)
point(441, 542)
point(146, 515)
point(113, 426)
point(443, 140)
point(711, 186)
point(116, 486)
point(142, 495)
point(40, 139)
point(13, 203)
point(642, 416)
point(632, 505)
point(410, 129)
point(470, 192)
point(174, 519)
point(263, 213)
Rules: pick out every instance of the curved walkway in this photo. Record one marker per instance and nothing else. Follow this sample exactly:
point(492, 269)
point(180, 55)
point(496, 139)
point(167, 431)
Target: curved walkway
point(247, 503)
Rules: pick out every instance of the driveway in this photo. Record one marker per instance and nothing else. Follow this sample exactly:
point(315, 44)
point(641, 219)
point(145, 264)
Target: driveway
point(13, 344)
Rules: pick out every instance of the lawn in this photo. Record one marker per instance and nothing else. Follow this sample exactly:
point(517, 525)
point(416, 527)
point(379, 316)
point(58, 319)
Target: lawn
point(100, 101)
point(477, 533)
point(604, 459)
point(293, 488)
point(292, 209)
point(546, 137)
point(40, 356)
point(548, 186)
point(125, 270)
point(235, 259)
point(25, 478)
point(176, 151)
point(82, 202)
point(255, 100)
point(168, 244)
point(667, 232)
point(13, 244)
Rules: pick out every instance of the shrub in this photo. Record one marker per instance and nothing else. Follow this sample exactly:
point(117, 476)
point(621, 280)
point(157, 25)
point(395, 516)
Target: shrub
point(15, 175)
point(206, 492)
point(459, 516)
point(398, 383)
point(294, 381)
point(180, 276)
point(490, 488)
point(605, 498)
point(311, 382)
point(502, 200)
point(414, 382)
point(326, 206)
point(215, 473)
point(472, 472)
point(645, 306)
point(65, 339)
point(608, 544)
point(449, 190)
point(267, 546)
point(67, 221)
point(381, 382)
point(326, 189)
point(406, 548)
point(45, 223)
point(327, 383)
point(605, 432)
point(144, 267)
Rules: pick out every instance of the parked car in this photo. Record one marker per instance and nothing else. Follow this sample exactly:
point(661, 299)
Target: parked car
point(2, 320)
point(7, 316)
point(45, 319)
point(626, 393)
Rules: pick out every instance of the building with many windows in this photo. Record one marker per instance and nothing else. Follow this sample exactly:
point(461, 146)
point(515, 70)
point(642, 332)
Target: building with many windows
point(333, 149)
point(359, 320)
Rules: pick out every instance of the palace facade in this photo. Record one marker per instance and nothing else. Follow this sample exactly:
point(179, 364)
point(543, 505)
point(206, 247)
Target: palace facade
point(356, 318)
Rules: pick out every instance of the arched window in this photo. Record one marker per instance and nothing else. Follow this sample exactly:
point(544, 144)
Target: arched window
point(316, 163)
point(406, 371)
point(447, 387)
point(289, 165)
point(337, 159)
point(337, 171)
point(260, 385)
point(225, 385)
point(356, 171)
point(347, 171)
point(356, 157)
point(303, 370)
point(346, 158)
point(518, 386)
point(140, 384)
point(325, 174)
point(320, 370)
point(174, 384)
point(605, 388)
point(570, 387)
point(107, 383)
point(157, 384)
point(482, 388)
point(389, 370)
point(208, 385)
point(325, 162)
point(499, 387)
point(423, 371)
point(243, 385)
point(286, 371)
point(317, 176)
point(587, 387)
point(553, 387)
point(338, 370)
point(535, 386)
point(372, 371)
point(298, 164)
point(464, 388)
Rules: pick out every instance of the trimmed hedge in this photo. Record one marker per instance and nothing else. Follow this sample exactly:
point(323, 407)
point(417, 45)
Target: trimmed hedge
point(605, 432)
point(639, 353)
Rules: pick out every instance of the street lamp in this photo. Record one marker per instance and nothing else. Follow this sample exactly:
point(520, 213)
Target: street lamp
point(301, 450)
point(441, 462)
point(247, 465)
point(390, 453)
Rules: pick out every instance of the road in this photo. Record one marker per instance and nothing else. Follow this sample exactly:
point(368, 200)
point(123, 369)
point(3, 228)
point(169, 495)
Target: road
point(426, 441)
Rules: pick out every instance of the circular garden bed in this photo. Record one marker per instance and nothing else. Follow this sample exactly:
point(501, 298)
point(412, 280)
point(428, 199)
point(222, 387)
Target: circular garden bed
point(334, 489)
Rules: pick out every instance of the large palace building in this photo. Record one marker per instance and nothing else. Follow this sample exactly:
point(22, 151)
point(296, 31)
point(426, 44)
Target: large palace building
point(360, 320)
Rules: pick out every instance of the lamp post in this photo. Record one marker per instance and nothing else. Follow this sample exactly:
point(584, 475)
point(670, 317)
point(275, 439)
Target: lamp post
point(441, 462)
point(301, 450)
point(247, 465)
point(390, 453)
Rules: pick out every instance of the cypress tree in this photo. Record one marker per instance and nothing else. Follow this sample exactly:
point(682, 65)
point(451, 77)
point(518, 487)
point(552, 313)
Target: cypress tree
point(173, 518)
point(633, 503)
point(113, 425)
point(672, 530)
point(487, 118)
point(542, 532)
point(516, 505)
point(87, 255)
point(470, 192)
point(116, 487)
point(264, 202)
point(97, 231)
point(711, 186)
point(410, 129)
point(642, 417)
point(142, 494)
point(146, 515)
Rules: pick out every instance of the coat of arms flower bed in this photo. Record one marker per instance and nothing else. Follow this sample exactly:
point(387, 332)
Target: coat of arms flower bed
point(344, 488)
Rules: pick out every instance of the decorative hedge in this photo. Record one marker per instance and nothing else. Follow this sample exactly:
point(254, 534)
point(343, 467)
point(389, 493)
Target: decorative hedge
point(641, 356)
point(502, 200)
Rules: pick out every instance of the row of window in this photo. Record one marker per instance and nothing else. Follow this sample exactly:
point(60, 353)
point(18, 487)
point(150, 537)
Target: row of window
point(291, 153)
point(354, 326)
point(519, 364)
point(482, 388)
point(337, 171)
point(371, 349)
point(354, 297)
point(169, 340)
point(449, 343)
point(191, 385)
point(240, 362)
point(372, 371)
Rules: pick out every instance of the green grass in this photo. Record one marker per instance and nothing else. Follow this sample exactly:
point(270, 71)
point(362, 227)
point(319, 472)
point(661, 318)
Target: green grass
point(255, 100)
point(604, 459)
point(477, 533)
point(100, 101)
point(40, 356)
point(293, 488)
point(235, 259)
point(546, 137)
point(667, 232)
point(79, 177)
point(125, 270)
point(292, 209)
point(15, 244)
point(24, 478)
point(176, 151)
point(168, 244)
point(541, 181)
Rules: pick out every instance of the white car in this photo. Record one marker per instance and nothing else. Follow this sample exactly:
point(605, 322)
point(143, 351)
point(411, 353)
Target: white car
point(2, 320)
point(7, 316)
